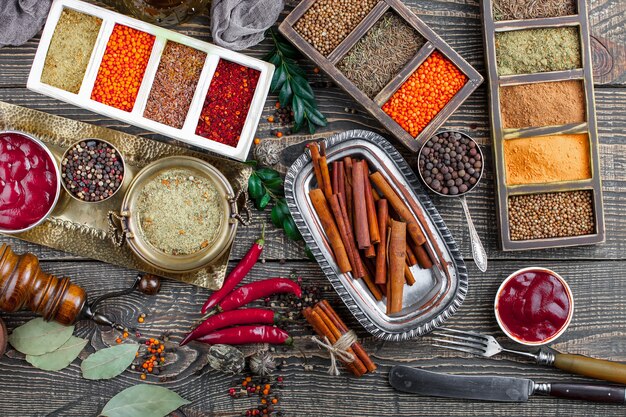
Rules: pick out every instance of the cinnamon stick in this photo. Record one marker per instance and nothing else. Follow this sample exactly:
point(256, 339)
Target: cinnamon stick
point(358, 271)
point(328, 223)
point(370, 205)
point(398, 205)
point(327, 185)
point(335, 177)
point(347, 162)
point(408, 275)
point(370, 251)
point(341, 184)
point(322, 331)
point(381, 255)
point(397, 253)
point(371, 285)
point(361, 225)
point(358, 349)
point(343, 230)
point(422, 257)
point(315, 160)
point(410, 256)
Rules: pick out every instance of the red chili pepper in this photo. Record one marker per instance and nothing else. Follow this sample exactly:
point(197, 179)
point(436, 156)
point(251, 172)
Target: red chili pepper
point(248, 334)
point(255, 290)
point(233, 318)
point(237, 274)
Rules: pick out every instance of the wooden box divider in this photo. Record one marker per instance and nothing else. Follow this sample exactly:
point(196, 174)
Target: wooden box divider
point(374, 106)
point(499, 134)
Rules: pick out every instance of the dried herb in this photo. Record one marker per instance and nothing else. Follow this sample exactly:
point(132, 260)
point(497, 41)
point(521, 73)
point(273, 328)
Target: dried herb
point(266, 185)
point(110, 362)
point(293, 89)
point(38, 337)
point(143, 401)
point(60, 358)
point(531, 9)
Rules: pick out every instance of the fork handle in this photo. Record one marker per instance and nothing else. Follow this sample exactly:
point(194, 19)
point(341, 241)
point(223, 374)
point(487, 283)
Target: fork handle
point(591, 367)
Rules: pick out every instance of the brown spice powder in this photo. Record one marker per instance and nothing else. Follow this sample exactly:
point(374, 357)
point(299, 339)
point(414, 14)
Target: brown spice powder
point(543, 104)
point(174, 84)
point(545, 159)
point(70, 50)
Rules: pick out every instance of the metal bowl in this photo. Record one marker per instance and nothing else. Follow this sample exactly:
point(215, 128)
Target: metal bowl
point(178, 264)
point(58, 176)
point(437, 293)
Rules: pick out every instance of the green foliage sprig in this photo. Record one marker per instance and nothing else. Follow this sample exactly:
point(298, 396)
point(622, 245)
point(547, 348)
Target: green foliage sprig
point(292, 86)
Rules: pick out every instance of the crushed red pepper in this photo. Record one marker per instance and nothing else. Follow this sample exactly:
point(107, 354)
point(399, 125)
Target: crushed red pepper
point(123, 66)
point(227, 102)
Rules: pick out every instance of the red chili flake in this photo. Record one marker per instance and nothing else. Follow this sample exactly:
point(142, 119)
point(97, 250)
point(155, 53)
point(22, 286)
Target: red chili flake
point(227, 102)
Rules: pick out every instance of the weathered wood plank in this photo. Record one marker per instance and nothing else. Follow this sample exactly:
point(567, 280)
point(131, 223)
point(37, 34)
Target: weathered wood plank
point(595, 330)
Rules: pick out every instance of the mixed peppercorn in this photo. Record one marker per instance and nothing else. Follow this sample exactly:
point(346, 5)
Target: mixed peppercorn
point(123, 66)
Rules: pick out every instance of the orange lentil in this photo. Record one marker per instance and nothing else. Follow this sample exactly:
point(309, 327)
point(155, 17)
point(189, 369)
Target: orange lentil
point(425, 93)
point(316, 70)
point(123, 66)
point(118, 340)
point(257, 141)
point(143, 376)
point(270, 119)
point(279, 134)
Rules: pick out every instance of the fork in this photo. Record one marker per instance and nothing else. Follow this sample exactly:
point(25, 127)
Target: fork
point(487, 346)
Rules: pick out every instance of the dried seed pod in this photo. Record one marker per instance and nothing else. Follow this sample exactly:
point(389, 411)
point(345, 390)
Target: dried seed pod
point(3, 338)
point(262, 363)
point(227, 359)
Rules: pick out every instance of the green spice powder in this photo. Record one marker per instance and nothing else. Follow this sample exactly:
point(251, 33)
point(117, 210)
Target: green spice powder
point(379, 55)
point(538, 50)
point(70, 50)
point(180, 212)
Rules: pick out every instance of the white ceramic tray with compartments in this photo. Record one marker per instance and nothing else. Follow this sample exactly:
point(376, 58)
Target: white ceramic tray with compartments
point(187, 133)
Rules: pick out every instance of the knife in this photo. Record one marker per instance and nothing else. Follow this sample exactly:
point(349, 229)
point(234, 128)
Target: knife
point(496, 388)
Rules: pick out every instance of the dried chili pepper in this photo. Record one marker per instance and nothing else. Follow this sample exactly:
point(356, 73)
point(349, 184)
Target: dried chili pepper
point(237, 274)
point(248, 334)
point(233, 318)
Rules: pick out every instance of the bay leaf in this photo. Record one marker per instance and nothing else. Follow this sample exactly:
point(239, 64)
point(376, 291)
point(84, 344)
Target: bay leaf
point(60, 358)
point(143, 401)
point(39, 336)
point(110, 362)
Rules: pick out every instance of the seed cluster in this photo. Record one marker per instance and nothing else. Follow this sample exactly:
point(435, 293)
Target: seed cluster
point(328, 22)
point(543, 216)
point(123, 66)
point(450, 163)
point(266, 388)
point(92, 170)
point(425, 93)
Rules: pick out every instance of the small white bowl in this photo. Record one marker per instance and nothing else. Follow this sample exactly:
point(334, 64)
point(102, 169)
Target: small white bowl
point(552, 338)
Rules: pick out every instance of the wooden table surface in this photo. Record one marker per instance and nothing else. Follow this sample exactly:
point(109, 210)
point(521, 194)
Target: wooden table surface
point(595, 273)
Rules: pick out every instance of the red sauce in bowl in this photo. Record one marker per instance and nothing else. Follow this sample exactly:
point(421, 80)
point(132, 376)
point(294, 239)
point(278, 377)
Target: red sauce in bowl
point(28, 181)
point(534, 306)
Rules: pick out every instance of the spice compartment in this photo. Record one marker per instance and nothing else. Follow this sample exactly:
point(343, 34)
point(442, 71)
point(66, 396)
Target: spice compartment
point(329, 63)
point(572, 120)
point(437, 292)
point(187, 133)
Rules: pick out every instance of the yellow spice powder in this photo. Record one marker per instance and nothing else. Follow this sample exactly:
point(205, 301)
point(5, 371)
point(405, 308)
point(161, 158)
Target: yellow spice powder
point(545, 159)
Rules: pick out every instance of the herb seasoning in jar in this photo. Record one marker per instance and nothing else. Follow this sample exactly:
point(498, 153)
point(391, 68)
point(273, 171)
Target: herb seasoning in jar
point(180, 212)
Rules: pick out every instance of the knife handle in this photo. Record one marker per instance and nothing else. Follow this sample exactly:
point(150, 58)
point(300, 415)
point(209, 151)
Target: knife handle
point(588, 392)
point(591, 367)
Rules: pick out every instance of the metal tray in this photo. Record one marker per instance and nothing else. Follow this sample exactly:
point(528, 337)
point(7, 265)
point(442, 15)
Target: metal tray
point(82, 228)
point(437, 293)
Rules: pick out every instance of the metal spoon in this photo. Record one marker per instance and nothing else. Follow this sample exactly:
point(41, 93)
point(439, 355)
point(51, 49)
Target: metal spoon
point(478, 251)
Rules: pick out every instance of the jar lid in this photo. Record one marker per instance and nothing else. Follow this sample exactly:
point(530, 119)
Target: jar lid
point(148, 251)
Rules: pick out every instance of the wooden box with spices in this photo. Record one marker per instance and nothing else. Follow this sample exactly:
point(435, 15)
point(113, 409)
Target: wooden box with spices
point(387, 59)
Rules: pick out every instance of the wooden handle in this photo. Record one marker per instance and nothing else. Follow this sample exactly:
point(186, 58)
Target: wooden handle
point(591, 367)
point(588, 392)
point(24, 285)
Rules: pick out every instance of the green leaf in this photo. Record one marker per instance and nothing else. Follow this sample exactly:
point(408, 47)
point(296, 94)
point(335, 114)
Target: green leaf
point(273, 58)
point(267, 173)
point(311, 126)
point(286, 49)
point(60, 358)
point(285, 94)
point(38, 336)
point(277, 216)
point(143, 401)
point(282, 204)
point(252, 163)
point(280, 76)
point(110, 362)
point(263, 201)
point(315, 116)
point(275, 185)
point(308, 252)
point(255, 188)
point(291, 230)
point(298, 109)
point(302, 88)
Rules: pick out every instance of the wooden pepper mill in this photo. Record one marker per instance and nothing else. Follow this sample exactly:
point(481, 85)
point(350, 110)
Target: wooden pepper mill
point(23, 285)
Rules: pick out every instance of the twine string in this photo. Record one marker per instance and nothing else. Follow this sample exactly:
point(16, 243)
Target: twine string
point(339, 349)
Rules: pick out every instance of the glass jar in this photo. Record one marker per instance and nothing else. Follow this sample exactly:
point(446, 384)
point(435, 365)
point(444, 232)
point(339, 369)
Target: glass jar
point(162, 12)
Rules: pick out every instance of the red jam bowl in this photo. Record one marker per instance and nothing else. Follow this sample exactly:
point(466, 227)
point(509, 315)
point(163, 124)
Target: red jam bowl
point(29, 182)
point(534, 306)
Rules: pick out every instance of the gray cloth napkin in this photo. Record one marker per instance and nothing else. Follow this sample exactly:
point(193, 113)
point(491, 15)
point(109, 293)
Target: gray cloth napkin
point(240, 24)
point(20, 20)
